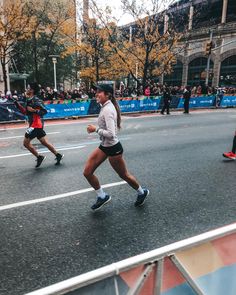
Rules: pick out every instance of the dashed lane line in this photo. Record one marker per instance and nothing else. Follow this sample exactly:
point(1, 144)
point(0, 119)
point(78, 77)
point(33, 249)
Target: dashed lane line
point(44, 152)
point(21, 136)
point(56, 197)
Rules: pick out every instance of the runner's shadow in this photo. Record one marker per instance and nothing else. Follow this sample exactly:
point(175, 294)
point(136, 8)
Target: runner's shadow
point(228, 161)
point(100, 215)
point(46, 170)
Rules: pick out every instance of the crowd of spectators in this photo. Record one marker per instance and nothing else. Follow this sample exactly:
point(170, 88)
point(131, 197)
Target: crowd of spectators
point(49, 94)
point(156, 89)
point(152, 89)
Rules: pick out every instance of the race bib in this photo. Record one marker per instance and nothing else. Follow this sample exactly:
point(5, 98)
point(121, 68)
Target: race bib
point(29, 130)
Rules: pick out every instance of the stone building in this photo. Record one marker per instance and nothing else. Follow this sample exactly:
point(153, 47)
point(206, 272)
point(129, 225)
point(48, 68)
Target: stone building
point(206, 17)
point(1, 74)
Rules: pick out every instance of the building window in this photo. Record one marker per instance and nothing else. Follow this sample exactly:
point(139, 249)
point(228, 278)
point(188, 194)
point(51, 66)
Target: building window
point(231, 15)
point(197, 71)
point(228, 72)
point(175, 78)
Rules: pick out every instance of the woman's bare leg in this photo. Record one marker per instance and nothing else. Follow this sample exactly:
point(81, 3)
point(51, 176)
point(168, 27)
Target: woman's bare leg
point(94, 161)
point(118, 164)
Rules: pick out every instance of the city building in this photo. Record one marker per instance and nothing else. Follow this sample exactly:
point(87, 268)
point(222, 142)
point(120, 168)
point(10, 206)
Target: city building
point(209, 26)
point(210, 23)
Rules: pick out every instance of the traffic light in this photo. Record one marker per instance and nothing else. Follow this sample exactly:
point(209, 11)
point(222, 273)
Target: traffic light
point(208, 47)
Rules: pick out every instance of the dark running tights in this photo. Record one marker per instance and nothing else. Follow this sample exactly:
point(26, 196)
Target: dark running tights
point(234, 145)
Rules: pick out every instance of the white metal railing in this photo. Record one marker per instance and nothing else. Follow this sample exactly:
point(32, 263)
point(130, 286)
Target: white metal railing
point(149, 259)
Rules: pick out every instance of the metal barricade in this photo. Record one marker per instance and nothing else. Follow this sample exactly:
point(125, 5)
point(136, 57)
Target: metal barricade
point(191, 266)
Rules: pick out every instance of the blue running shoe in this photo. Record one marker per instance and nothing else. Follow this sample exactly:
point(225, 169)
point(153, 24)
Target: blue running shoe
point(100, 202)
point(141, 198)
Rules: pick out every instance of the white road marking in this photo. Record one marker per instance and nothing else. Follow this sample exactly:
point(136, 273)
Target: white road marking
point(89, 120)
point(137, 126)
point(44, 151)
point(21, 136)
point(55, 197)
point(62, 148)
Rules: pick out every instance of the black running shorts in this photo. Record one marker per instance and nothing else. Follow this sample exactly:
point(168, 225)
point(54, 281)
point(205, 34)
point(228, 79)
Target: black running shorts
point(32, 133)
point(112, 151)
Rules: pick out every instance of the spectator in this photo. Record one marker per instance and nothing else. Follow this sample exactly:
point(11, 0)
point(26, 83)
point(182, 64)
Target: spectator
point(75, 95)
point(219, 96)
point(199, 90)
point(166, 100)
point(147, 91)
point(187, 96)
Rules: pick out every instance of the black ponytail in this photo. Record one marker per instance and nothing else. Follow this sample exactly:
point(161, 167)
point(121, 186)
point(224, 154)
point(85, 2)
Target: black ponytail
point(116, 105)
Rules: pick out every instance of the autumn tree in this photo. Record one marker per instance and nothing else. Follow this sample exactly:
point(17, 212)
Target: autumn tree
point(15, 24)
point(96, 53)
point(146, 43)
point(51, 33)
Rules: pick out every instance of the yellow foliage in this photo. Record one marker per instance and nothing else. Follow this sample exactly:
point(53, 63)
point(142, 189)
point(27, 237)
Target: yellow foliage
point(15, 24)
point(154, 52)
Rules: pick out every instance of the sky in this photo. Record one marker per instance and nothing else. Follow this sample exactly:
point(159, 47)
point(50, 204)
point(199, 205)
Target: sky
point(125, 18)
point(117, 11)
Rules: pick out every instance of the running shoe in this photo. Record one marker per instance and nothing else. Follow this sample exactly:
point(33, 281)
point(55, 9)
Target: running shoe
point(58, 158)
point(141, 198)
point(40, 160)
point(230, 155)
point(100, 202)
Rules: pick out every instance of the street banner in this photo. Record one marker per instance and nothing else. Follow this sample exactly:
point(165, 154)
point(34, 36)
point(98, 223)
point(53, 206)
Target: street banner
point(8, 111)
point(228, 101)
point(67, 110)
point(198, 102)
point(146, 104)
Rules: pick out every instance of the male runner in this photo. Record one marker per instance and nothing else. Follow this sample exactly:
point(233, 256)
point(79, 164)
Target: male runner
point(231, 155)
point(35, 110)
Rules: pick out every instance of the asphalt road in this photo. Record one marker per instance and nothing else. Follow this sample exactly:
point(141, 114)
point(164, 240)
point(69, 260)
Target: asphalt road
point(178, 157)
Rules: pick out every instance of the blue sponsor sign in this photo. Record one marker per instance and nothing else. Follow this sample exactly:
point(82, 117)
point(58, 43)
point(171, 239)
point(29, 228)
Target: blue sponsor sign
point(228, 101)
point(129, 106)
point(173, 103)
point(149, 104)
point(146, 104)
point(198, 102)
point(67, 110)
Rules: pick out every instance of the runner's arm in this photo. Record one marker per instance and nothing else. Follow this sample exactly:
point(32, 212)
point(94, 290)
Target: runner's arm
point(39, 108)
point(20, 107)
point(110, 130)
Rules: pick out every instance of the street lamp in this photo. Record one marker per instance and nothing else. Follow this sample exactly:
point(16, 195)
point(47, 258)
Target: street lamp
point(25, 76)
point(208, 49)
point(136, 75)
point(54, 60)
